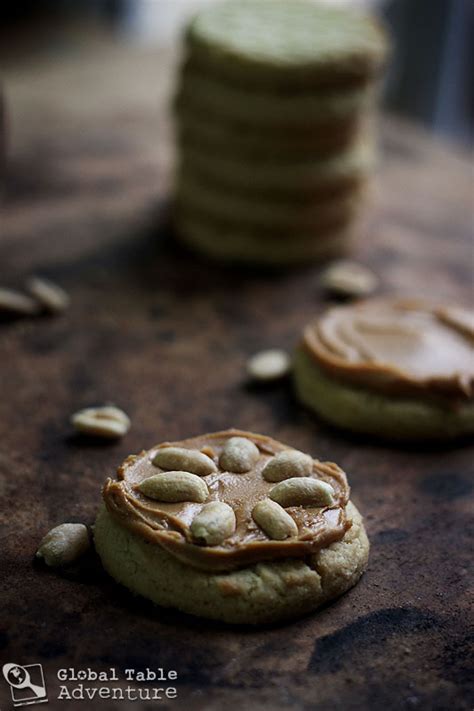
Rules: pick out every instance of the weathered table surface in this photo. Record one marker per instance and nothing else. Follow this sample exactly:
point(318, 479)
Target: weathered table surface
point(166, 336)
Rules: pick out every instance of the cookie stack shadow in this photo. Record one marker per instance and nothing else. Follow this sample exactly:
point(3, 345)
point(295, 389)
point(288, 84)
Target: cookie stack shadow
point(274, 122)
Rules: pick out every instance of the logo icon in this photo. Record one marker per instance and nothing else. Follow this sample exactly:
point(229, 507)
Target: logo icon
point(27, 685)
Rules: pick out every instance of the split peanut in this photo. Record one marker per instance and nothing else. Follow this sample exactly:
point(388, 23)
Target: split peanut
point(108, 422)
point(274, 520)
point(214, 523)
point(189, 460)
point(50, 296)
point(239, 455)
point(174, 487)
point(286, 465)
point(64, 544)
point(302, 491)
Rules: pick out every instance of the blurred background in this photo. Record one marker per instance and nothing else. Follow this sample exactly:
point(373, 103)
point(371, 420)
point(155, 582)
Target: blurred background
point(430, 78)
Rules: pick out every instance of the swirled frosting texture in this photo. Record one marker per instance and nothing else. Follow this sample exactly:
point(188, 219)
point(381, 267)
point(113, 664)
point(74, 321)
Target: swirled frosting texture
point(399, 346)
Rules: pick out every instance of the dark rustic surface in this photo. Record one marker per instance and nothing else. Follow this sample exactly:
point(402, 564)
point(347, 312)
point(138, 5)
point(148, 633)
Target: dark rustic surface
point(166, 336)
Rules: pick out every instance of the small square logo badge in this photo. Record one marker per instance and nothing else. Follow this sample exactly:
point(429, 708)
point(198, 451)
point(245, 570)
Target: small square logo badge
point(27, 685)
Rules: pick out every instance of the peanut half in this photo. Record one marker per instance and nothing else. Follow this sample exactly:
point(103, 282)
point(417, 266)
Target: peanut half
point(64, 544)
point(214, 523)
point(302, 491)
point(286, 465)
point(269, 365)
point(50, 296)
point(239, 455)
point(173, 487)
point(14, 302)
point(274, 520)
point(188, 460)
point(107, 421)
point(345, 278)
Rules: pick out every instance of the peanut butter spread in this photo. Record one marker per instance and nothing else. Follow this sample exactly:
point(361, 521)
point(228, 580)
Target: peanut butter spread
point(169, 525)
point(400, 347)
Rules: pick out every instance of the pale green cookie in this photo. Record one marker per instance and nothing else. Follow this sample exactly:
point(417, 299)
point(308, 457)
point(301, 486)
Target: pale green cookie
point(234, 243)
point(286, 43)
point(256, 594)
point(199, 92)
point(362, 410)
point(287, 216)
point(285, 177)
point(237, 140)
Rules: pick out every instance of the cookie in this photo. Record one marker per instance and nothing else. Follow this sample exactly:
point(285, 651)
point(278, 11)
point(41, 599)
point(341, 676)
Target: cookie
point(202, 94)
point(235, 138)
point(398, 369)
point(272, 215)
point(286, 44)
point(232, 242)
point(231, 526)
point(287, 178)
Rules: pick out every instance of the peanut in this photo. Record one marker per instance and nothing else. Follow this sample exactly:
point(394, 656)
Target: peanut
point(50, 296)
point(286, 465)
point(302, 491)
point(274, 520)
point(64, 544)
point(269, 365)
point(189, 460)
point(107, 421)
point(174, 486)
point(14, 302)
point(239, 455)
point(214, 523)
point(345, 278)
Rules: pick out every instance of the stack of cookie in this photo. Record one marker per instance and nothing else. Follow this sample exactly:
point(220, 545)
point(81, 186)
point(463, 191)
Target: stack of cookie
point(273, 123)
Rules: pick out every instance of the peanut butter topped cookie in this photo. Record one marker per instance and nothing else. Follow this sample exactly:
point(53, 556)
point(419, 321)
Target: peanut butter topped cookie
point(163, 493)
point(398, 368)
point(216, 510)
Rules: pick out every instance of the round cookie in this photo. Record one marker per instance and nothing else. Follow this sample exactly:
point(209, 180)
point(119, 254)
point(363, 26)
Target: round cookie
point(258, 571)
point(401, 370)
point(275, 215)
point(231, 242)
point(286, 178)
point(286, 44)
point(262, 109)
point(237, 139)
